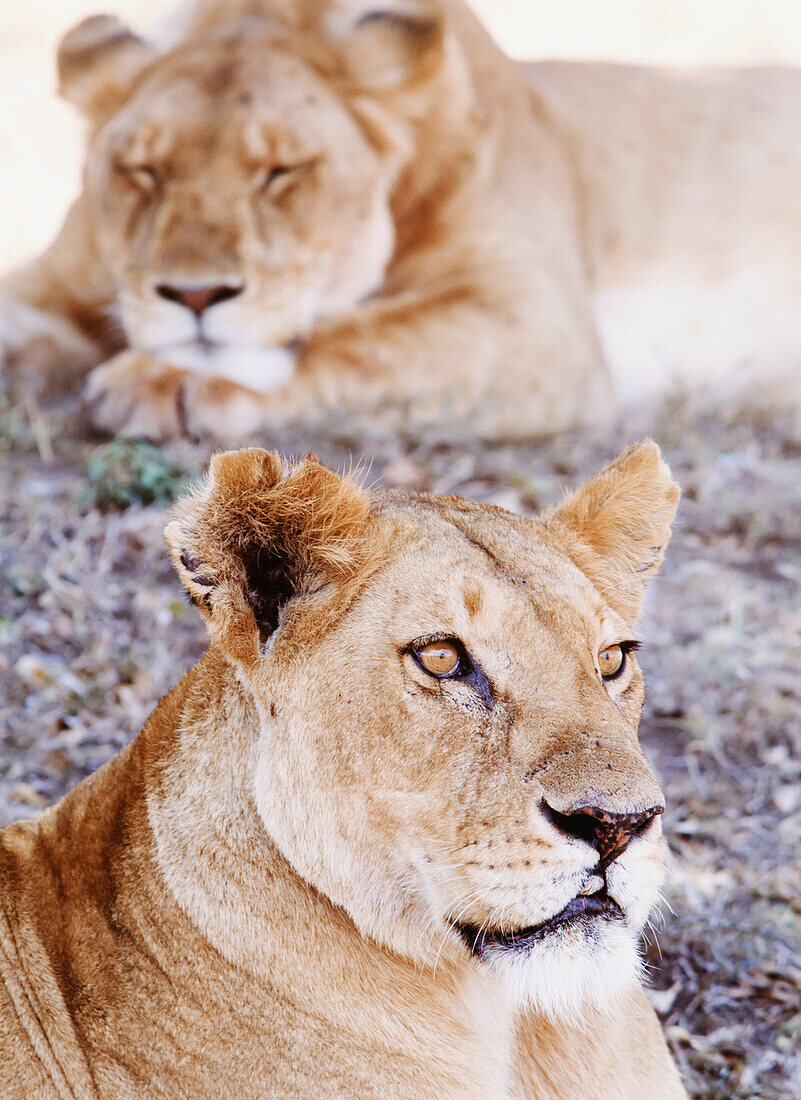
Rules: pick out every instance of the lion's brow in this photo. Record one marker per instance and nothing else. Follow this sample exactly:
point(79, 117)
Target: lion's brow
point(501, 567)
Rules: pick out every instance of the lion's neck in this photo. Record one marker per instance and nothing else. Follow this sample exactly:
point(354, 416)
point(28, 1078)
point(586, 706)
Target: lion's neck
point(210, 844)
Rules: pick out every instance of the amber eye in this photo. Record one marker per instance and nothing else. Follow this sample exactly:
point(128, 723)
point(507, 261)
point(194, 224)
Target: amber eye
point(611, 661)
point(439, 658)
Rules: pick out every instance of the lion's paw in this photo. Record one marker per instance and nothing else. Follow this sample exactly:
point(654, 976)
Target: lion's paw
point(138, 396)
point(221, 410)
point(38, 349)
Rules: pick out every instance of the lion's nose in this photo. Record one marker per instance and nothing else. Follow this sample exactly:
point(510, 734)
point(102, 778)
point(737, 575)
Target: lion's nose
point(609, 832)
point(199, 298)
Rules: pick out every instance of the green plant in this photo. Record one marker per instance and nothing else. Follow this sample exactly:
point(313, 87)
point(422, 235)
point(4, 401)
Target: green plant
point(130, 471)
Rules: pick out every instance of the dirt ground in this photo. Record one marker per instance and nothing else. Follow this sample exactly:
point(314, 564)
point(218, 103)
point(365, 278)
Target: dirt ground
point(93, 630)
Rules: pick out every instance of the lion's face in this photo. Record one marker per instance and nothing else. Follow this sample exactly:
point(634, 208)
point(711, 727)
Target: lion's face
point(448, 743)
point(238, 198)
point(433, 790)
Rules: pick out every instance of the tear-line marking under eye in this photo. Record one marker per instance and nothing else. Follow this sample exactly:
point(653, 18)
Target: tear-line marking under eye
point(475, 677)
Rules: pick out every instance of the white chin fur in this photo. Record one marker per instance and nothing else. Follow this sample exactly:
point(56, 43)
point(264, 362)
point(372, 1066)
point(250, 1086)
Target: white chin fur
point(259, 369)
point(570, 973)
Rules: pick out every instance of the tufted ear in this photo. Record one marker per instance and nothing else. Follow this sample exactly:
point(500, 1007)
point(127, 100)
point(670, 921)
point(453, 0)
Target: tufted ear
point(98, 61)
point(383, 44)
point(617, 526)
point(256, 535)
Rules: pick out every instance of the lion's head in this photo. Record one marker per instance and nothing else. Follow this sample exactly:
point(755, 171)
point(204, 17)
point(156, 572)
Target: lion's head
point(448, 698)
point(239, 183)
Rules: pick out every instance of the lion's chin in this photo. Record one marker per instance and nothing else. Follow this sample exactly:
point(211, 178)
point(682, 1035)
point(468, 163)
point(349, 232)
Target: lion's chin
point(566, 968)
point(259, 369)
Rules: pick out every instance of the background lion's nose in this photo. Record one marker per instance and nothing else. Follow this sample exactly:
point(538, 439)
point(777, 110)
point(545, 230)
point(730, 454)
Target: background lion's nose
point(199, 298)
point(609, 832)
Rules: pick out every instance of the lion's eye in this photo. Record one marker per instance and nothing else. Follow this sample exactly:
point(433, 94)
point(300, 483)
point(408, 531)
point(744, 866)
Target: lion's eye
point(612, 661)
point(440, 659)
point(280, 176)
point(142, 176)
point(276, 174)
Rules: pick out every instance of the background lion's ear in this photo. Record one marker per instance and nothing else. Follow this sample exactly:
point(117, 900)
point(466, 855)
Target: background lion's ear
point(384, 44)
point(617, 526)
point(257, 534)
point(98, 61)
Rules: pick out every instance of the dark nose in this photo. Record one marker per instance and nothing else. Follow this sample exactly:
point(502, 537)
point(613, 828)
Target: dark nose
point(199, 298)
point(609, 832)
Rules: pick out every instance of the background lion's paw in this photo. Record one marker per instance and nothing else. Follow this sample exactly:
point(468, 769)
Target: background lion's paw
point(217, 409)
point(138, 396)
point(38, 350)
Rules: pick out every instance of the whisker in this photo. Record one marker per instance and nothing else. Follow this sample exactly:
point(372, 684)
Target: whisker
point(465, 901)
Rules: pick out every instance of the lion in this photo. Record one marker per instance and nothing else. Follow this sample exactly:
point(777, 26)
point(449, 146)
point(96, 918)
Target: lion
point(306, 208)
point(392, 836)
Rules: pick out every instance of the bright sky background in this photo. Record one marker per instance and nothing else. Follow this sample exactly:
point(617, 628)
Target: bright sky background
point(40, 144)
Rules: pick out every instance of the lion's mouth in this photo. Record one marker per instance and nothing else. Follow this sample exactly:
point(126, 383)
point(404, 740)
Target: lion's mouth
point(199, 343)
point(580, 910)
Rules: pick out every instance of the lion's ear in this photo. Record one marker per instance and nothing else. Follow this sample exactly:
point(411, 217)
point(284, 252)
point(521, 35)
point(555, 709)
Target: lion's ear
point(384, 44)
point(256, 535)
point(98, 61)
point(617, 526)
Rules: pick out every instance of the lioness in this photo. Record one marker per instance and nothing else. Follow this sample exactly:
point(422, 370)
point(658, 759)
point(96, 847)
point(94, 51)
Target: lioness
point(301, 205)
point(392, 836)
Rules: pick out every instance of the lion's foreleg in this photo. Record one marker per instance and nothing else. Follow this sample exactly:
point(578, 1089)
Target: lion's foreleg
point(501, 367)
point(57, 317)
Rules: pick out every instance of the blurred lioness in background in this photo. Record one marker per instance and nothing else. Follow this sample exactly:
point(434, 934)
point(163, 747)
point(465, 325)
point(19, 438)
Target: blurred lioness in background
point(293, 206)
point(393, 836)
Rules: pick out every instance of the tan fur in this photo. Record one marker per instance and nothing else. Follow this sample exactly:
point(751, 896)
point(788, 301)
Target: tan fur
point(469, 240)
point(259, 896)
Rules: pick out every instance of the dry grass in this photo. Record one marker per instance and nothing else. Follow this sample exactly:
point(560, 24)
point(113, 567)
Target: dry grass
point(94, 630)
